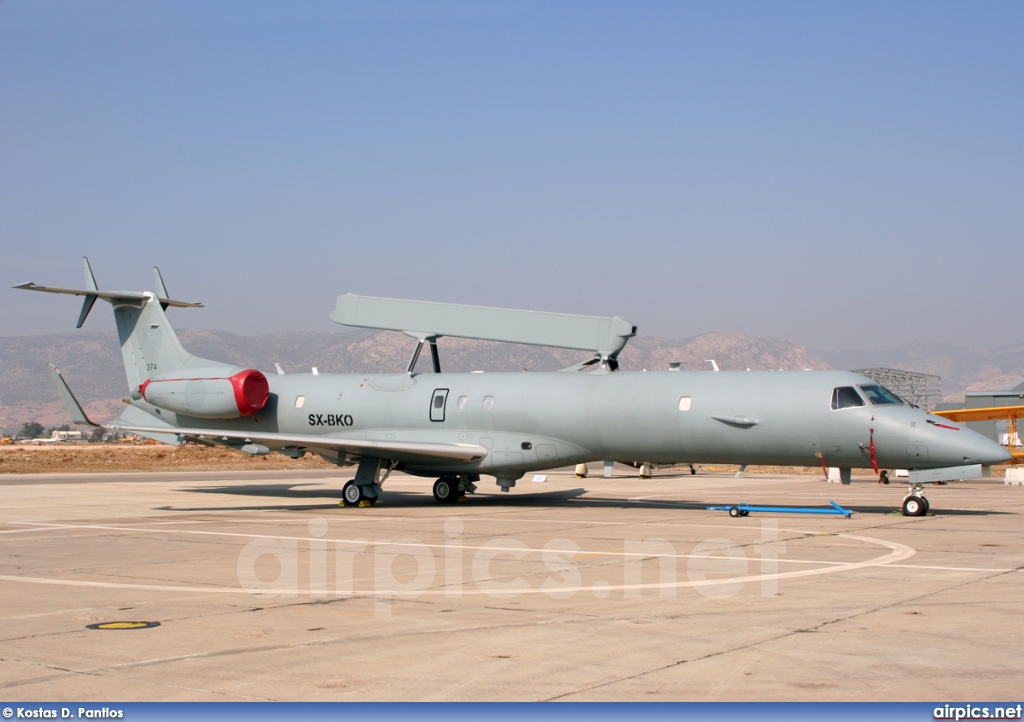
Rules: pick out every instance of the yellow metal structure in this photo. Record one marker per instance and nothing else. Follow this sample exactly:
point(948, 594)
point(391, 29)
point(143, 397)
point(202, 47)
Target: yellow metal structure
point(993, 413)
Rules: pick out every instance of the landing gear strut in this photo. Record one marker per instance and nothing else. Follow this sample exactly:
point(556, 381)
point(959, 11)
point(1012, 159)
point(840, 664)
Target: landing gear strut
point(366, 487)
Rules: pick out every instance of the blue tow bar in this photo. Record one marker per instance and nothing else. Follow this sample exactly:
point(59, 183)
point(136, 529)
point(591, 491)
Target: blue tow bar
point(744, 509)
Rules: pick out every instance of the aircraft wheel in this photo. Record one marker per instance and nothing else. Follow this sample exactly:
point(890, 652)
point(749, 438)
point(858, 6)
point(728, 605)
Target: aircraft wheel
point(744, 512)
point(915, 506)
point(351, 495)
point(446, 490)
point(734, 512)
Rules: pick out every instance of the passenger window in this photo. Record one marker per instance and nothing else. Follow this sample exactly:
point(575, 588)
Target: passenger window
point(299, 401)
point(463, 402)
point(879, 395)
point(846, 397)
point(684, 403)
point(488, 402)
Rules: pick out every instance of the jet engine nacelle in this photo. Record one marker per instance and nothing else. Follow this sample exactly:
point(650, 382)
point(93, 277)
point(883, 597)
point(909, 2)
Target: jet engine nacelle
point(213, 393)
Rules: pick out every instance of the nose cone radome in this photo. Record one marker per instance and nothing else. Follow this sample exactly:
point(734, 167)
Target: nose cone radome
point(978, 449)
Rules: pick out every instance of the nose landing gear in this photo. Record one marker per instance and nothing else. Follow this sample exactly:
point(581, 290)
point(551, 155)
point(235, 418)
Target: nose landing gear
point(914, 503)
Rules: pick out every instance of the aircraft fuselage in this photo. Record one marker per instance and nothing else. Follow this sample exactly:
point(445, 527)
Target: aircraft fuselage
point(461, 425)
point(532, 421)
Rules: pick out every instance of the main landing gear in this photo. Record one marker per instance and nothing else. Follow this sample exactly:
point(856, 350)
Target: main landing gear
point(366, 487)
point(354, 495)
point(914, 503)
point(450, 489)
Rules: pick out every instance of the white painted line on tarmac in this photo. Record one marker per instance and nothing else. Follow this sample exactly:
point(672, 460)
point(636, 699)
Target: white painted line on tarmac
point(423, 545)
point(954, 569)
point(897, 553)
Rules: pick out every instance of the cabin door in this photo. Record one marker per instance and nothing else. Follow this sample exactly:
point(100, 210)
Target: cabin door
point(437, 404)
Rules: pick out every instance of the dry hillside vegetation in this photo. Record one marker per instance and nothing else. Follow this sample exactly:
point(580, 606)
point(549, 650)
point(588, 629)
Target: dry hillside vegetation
point(107, 458)
point(78, 458)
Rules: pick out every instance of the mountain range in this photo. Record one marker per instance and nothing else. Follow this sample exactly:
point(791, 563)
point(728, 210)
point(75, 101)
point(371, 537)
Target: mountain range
point(91, 362)
point(961, 369)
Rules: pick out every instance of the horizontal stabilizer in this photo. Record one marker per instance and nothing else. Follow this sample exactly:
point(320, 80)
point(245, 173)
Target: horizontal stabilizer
point(107, 295)
point(603, 336)
point(92, 292)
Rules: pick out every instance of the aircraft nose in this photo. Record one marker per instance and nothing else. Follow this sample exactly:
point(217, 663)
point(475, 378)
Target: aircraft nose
point(980, 449)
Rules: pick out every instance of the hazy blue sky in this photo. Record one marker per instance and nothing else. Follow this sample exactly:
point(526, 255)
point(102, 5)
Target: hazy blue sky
point(842, 174)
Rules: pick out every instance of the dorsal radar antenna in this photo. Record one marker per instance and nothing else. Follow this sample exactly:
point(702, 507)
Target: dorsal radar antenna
point(428, 321)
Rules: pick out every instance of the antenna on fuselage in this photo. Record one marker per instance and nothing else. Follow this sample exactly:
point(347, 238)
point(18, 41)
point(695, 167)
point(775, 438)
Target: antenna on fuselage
point(428, 321)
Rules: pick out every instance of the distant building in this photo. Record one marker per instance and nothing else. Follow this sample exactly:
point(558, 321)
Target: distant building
point(921, 390)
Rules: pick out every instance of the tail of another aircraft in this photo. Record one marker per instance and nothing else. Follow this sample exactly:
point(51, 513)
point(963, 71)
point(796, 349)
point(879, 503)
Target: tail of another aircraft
point(149, 345)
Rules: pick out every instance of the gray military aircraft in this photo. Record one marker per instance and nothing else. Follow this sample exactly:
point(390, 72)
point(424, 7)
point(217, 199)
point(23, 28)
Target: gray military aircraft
point(458, 426)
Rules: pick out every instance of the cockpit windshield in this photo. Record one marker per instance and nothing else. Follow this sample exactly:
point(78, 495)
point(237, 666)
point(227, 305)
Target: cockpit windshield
point(846, 397)
point(879, 395)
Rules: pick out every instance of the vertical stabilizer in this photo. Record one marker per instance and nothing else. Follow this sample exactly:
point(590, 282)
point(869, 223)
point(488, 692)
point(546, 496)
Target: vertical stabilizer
point(149, 345)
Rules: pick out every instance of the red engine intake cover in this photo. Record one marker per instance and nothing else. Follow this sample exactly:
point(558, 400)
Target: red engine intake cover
point(251, 391)
point(209, 394)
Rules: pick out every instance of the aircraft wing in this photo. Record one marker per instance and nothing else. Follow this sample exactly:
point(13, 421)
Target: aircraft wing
point(137, 417)
point(994, 413)
point(410, 451)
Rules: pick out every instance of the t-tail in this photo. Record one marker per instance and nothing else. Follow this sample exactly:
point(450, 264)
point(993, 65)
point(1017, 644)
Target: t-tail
point(149, 346)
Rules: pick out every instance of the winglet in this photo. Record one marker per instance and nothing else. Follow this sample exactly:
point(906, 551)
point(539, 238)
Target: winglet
point(90, 298)
point(74, 408)
point(161, 288)
point(90, 280)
